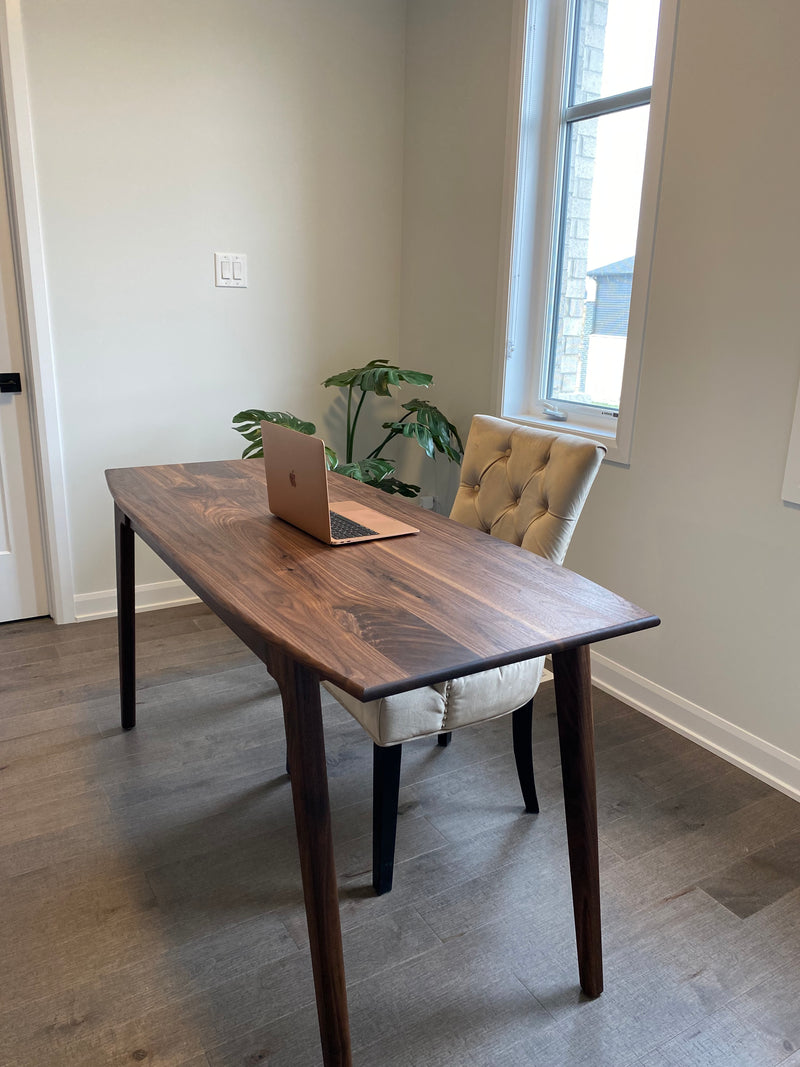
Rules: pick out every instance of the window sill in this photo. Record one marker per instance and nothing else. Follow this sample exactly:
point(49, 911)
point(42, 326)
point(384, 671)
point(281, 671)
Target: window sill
point(615, 453)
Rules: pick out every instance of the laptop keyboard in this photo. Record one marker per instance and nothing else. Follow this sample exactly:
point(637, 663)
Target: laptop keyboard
point(343, 527)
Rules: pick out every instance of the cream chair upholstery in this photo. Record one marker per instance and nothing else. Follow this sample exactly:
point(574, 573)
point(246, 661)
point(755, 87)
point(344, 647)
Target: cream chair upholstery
point(523, 485)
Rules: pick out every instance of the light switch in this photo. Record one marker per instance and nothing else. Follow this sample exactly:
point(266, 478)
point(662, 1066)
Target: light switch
point(230, 270)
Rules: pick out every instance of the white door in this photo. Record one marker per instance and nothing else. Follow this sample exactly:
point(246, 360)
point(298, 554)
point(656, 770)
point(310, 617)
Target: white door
point(23, 591)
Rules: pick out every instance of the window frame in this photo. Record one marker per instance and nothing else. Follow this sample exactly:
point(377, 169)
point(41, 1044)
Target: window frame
point(535, 174)
point(790, 492)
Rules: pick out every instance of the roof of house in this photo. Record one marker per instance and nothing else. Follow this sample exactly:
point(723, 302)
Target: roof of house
point(622, 266)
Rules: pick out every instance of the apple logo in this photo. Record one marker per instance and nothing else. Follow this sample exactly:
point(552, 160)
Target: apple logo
point(293, 479)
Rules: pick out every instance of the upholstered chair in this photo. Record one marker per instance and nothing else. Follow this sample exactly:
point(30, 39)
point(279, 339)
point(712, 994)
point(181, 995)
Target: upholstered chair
point(523, 485)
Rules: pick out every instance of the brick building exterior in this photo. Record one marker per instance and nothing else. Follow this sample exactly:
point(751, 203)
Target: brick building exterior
point(571, 344)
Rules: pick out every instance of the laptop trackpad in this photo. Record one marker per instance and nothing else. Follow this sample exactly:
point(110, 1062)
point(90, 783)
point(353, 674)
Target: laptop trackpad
point(375, 520)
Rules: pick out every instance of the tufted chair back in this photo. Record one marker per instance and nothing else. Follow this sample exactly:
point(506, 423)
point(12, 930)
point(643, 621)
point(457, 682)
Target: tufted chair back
point(525, 485)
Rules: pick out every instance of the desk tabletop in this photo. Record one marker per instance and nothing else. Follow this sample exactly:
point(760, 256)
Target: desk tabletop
point(375, 617)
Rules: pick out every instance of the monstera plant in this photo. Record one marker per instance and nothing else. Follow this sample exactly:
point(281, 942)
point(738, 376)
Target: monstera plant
point(422, 422)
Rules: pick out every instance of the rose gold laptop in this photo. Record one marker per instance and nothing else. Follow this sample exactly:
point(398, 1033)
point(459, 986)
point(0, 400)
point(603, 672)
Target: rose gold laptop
point(297, 485)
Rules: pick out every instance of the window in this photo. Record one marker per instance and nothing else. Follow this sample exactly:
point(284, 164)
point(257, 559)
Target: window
point(588, 167)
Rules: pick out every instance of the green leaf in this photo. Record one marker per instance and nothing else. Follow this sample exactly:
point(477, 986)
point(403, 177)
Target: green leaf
point(248, 424)
point(430, 427)
point(431, 430)
point(444, 435)
point(343, 379)
point(378, 376)
point(354, 375)
point(370, 471)
point(253, 417)
point(253, 450)
point(379, 473)
point(417, 377)
point(252, 435)
point(416, 431)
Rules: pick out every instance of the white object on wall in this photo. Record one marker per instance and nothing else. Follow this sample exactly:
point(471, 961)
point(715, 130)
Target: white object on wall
point(230, 270)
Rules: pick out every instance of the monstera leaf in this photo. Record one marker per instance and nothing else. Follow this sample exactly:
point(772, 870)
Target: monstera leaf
point(431, 430)
point(248, 424)
point(378, 472)
point(429, 427)
point(376, 377)
point(370, 471)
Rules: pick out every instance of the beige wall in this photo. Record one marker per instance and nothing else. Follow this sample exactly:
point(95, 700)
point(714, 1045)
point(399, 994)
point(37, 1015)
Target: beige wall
point(457, 75)
point(164, 131)
point(695, 529)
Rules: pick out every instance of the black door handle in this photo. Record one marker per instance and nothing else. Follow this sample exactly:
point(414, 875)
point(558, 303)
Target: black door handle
point(10, 383)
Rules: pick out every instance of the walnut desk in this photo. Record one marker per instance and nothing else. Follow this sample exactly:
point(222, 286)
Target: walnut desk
point(375, 618)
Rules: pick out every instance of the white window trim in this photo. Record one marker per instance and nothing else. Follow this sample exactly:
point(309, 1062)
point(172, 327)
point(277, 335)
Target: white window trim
point(791, 479)
point(524, 288)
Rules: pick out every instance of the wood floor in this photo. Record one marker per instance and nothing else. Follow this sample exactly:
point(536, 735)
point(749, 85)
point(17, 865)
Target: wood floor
point(151, 903)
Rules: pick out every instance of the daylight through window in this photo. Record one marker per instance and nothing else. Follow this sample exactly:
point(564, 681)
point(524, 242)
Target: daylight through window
point(587, 149)
point(606, 114)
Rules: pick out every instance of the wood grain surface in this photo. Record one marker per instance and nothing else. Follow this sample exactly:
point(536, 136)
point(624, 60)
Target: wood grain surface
point(152, 903)
point(378, 617)
point(302, 716)
point(573, 685)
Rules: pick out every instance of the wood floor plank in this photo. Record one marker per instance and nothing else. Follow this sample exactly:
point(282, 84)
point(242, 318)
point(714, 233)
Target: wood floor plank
point(771, 1006)
point(683, 813)
point(72, 848)
point(150, 628)
point(49, 816)
point(392, 1022)
point(28, 656)
point(775, 929)
point(134, 990)
point(759, 879)
point(102, 662)
point(721, 1041)
point(25, 633)
point(152, 909)
point(206, 1003)
point(33, 719)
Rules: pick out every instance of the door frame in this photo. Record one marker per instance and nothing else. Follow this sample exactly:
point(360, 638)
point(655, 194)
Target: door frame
point(34, 311)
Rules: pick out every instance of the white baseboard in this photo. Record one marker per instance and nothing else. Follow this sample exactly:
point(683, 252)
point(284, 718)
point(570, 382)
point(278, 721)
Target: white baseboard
point(149, 597)
point(758, 757)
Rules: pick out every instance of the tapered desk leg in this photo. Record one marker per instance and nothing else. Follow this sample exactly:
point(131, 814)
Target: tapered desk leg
point(126, 625)
point(573, 685)
point(305, 746)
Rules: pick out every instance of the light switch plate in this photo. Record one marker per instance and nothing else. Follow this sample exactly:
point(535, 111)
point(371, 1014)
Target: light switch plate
point(230, 270)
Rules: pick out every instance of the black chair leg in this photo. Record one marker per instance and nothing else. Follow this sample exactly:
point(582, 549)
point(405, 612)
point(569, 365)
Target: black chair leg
point(443, 740)
point(385, 793)
point(522, 723)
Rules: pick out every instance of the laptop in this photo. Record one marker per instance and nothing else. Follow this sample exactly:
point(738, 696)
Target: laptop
point(297, 486)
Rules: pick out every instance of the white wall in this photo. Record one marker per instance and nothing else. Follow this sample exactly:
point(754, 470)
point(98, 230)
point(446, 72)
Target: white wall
point(457, 72)
point(163, 132)
point(695, 528)
point(166, 130)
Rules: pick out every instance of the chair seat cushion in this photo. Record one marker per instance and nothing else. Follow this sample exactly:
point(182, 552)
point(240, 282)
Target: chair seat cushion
point(446, 705)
